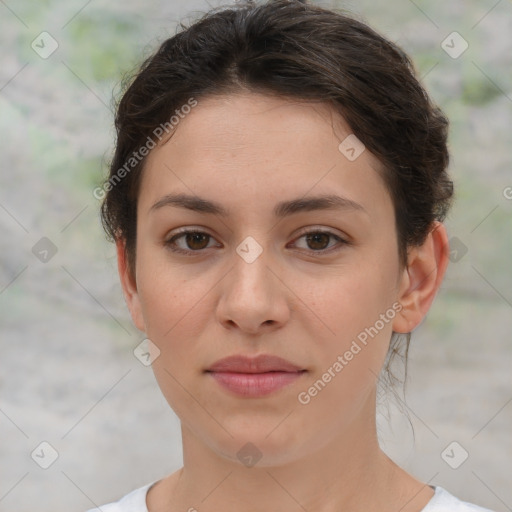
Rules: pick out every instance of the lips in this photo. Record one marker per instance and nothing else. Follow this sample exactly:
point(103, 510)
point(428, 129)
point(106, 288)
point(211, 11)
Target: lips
point(260, 364)
point(254, 377)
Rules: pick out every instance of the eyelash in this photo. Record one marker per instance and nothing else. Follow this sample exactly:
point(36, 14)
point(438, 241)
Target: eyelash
point(171, 242)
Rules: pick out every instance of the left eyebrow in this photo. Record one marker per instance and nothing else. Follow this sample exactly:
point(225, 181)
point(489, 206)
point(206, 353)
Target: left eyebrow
point(281, 209)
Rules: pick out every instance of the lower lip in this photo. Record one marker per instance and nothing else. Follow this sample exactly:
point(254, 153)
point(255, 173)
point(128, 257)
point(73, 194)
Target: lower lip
point(255, 384)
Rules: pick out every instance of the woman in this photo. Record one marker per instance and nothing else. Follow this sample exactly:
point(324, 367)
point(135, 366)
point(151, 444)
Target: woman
point(276, 198)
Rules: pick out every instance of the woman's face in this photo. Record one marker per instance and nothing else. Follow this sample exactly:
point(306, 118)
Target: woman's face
point(254, 283)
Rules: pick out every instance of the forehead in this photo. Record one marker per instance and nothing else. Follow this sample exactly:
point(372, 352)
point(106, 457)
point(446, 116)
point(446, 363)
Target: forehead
point(244, 120)
point(249, 148)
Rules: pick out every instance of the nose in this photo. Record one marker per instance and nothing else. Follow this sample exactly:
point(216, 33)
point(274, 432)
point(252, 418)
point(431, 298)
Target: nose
point(253, 297)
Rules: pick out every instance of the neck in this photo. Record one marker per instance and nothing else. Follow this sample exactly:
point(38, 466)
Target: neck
point(349, 473)
point(326, 480)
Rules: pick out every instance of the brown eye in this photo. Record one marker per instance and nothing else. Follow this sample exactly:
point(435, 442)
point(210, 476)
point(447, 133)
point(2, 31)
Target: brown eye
point(194, 241)
point(318, 241)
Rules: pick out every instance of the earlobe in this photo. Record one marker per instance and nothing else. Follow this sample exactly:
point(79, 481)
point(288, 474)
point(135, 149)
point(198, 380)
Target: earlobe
point(422, 279)
point(129, 285)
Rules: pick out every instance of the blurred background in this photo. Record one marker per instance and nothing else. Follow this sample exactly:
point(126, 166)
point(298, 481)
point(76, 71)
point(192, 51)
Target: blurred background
point(82, 421)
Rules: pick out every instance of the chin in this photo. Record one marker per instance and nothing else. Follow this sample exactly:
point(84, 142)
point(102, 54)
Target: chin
point(260, 445)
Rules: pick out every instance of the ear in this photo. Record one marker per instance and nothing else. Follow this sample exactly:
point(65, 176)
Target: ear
point(421, 279)
point(129, 285)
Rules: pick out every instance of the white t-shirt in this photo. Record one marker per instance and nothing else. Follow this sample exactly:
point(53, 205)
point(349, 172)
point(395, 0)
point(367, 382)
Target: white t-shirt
point(442, 501)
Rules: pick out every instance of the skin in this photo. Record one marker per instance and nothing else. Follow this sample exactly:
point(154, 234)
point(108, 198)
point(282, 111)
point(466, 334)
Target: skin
point(302, 301)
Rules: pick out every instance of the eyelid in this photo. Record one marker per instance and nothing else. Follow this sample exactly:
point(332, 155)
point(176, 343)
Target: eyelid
point(323, 229)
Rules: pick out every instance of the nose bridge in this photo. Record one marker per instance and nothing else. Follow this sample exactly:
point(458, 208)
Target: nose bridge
point(250, 250)
point(251, 262)
point(250, 296)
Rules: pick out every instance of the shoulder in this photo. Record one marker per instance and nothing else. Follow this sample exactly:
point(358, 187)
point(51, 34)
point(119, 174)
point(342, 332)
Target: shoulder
point(135, 501)
point(443, 501)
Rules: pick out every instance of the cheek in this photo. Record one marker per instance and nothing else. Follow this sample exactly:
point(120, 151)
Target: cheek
point(175, 316)
point(173, 309)
point(349, 301)
point(350, 358)
point(176, 310)
point(356, 306)
point(167, 297)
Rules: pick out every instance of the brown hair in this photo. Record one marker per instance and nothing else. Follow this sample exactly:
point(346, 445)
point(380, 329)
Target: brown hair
point(295, 50)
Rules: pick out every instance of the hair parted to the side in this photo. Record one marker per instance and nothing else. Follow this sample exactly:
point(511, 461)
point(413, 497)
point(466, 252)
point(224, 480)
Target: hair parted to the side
point(294, 50)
